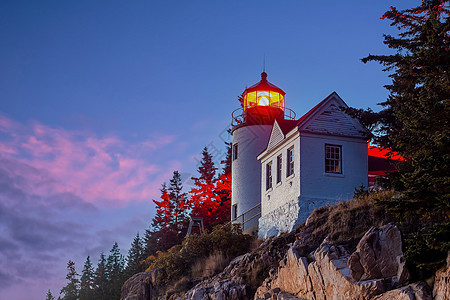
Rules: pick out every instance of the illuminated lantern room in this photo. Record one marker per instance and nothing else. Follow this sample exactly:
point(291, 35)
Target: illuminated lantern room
point(263, 94)
point(261, 104)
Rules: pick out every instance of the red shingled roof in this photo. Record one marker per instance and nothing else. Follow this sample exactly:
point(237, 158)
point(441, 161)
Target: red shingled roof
point(264, 85)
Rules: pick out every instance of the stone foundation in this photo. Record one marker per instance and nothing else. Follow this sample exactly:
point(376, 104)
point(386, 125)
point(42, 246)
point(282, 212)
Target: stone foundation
point(288, 216)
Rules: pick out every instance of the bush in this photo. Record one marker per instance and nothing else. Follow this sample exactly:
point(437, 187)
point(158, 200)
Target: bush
point(426, 249)
point(225, 242)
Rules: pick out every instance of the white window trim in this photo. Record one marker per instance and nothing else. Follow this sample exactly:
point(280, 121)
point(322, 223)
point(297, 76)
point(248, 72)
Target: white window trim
point(288, 162)
point(332, 174)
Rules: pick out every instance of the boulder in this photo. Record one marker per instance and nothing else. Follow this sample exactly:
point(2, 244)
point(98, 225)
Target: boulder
point(138, 287)
point(326, 277)
point(379, 255)
point(293, 273)
point(415, 291)
point(441, 289)
point(218, 289)
point(330, 272)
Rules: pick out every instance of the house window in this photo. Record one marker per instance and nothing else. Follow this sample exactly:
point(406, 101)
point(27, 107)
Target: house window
point(333, 158)
point(279, 166)
point(234, 212)
point(235, 151)
point(268, 176)
point(290, 162)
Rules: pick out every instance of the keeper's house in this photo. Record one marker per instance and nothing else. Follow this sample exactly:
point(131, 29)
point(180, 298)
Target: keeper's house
point(283, 168)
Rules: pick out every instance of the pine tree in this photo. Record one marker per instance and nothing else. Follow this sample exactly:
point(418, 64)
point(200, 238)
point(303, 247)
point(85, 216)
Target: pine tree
point(87, 281)
point(227, 161)
point(163, 231)
point(414, 122)
point(71, 290)
point(180, 206)
point(162, 234)
point(204, 201)
point(49, 296)
point(135, 256)
point(101, 279)
point(223, 189)
point(415, 118)
point(115, 269)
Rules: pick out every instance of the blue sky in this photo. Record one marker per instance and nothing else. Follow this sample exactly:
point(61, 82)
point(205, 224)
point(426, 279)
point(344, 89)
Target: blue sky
point(101, 100)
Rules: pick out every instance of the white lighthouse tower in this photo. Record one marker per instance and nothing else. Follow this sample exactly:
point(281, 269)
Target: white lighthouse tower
point(261, 105)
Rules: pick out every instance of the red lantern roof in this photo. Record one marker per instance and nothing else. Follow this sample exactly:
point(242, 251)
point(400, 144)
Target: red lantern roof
point(264, 85)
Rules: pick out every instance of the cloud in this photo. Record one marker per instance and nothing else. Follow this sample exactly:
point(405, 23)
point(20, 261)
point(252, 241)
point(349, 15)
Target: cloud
point(68, 194)
point(105, 169)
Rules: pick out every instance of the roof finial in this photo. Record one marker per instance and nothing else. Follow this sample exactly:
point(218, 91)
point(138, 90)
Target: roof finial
point(264, 74)
point(264, 63)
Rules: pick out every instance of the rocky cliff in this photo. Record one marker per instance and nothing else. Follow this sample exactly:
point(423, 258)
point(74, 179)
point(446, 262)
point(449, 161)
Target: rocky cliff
point(375, 270)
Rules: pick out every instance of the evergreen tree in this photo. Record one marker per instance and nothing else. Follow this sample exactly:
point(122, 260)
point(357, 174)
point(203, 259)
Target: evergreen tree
point(101, 279)
point(227, 161)
point(135, 256)
point(223, 190)
point(414, 122)
point(115, 269)
point(162, 234)
point(49, 296)
point(71, 290)
point(415, 118)
point(204, 201)
point(87, 281)
point(180, 206)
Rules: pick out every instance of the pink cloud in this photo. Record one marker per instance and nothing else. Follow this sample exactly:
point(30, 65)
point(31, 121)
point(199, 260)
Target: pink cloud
point(98, 169)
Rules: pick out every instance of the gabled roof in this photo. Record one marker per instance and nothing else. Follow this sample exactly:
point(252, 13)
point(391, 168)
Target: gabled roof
point(313, 110)
point(287, 125)
point(333, 103)
point(327, 117)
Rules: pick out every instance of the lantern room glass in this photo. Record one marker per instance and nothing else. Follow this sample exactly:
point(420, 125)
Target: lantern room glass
point(263, 98)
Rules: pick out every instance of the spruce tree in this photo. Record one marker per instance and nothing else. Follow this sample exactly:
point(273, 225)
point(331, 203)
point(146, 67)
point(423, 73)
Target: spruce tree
point(71, 290)
point(414, 122)
point(134, 258)
point(49, 296)
point(115, 267)
point(223, 190)
point(180, 206)
point(204, 202)
point(163, 233)
point(415, 118)
point(87, 281)
point(101, 279)
point(226, 162)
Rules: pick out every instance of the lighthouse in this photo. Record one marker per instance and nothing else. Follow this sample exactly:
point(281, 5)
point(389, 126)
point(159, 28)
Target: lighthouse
point(261, 105)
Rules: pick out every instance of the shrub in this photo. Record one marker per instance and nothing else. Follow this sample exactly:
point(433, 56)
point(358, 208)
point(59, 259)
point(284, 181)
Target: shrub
point(223, 243)
point(426, 249)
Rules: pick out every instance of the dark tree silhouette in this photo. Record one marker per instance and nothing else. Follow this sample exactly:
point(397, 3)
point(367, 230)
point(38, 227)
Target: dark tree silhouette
point(87, 281)
point(415, 118)
point(135, 256)
point(71, 290)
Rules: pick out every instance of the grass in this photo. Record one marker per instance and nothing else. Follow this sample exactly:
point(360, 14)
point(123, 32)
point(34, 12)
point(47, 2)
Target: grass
point(344, 223)
point(213, 264)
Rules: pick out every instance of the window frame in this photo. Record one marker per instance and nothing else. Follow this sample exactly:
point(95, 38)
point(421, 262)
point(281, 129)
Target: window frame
point(269, 176)
point(234, 212)
point(279, 167)
point(331, 159)
point(235, 151)
point(290, 161)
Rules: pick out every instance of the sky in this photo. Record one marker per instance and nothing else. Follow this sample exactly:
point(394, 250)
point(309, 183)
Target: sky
point(100, 101)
